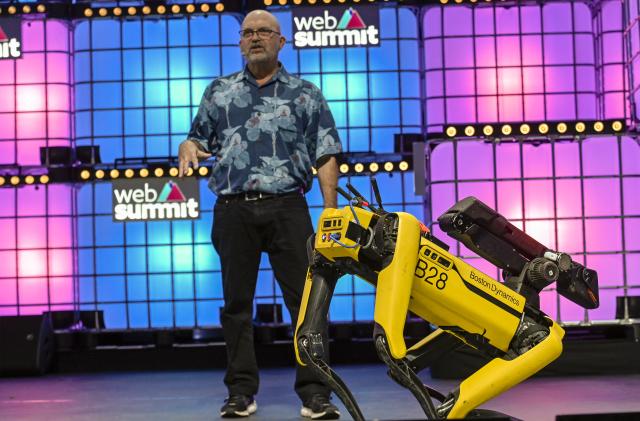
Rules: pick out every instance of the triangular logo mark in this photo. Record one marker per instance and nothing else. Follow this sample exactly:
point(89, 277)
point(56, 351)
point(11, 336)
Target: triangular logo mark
point(171, 193)
point(351, 19)
point(3, 36)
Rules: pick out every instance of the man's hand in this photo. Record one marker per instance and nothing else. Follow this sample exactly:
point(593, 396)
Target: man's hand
point(189, 153)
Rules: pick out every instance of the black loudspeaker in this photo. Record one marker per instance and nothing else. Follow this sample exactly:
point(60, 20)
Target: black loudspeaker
point(617, 416)
point(56, 155)
point(633, 306)
point(26, 344)
point(268, 313)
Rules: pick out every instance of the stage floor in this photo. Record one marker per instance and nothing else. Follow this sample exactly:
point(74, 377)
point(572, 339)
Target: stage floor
point(198, 395)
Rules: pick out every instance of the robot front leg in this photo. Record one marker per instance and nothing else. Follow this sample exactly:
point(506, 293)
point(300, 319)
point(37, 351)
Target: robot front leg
point(312, 323)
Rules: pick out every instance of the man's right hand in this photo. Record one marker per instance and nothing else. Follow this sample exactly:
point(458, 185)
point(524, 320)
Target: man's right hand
point(189, 153)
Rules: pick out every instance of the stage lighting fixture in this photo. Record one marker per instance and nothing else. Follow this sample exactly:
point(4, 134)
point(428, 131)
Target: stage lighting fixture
point(88, 12)
point(175, 9)
point(99, 174)
point(114, 173)
point(205, 8)
point(41, 8)
point(144, 172)
point(29, 179)
point(616, 126)
point(117, 11)
point(374, 167)
point(161, 9)
point(145, 10)
point(85, 174)
point(102, 12)
point(220, 7)
point(55, 155)
point(358, 167)
point(543, 128)
point(561, 128)
point(344, 168)
point(128, 173)
point(189, 172)
point(525, 129)
point(598, 126)
point(403, 166)
point(268, 2)
point(173, 172)
point(203, 171)
point(190, 8)
point(44, 179)
point(2, 181)
point(469, 131)
point(158, 172)
point(88, 155)
point(14, 180)
point(12, 10)
point(506, 130)
point(388, 166)
point(487, 130)
point(26, 9)
point(282, 2)
point(580, 127)
point(451, 131)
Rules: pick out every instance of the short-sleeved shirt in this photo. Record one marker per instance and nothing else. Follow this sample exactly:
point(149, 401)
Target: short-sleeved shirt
point(264, 138)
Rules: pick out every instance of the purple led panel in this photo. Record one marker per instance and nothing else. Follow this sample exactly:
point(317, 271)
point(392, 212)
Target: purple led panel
point(523, 63)
point(632, 53)
point(577, 197)
point(36, 244)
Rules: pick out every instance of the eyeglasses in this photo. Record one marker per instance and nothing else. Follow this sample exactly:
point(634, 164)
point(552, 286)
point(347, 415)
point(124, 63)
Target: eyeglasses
point(263, 33)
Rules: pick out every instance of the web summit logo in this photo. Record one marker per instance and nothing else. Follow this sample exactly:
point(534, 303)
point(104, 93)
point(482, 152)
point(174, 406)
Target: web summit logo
point(10, 34)
point(312, 31)
point(136, 201)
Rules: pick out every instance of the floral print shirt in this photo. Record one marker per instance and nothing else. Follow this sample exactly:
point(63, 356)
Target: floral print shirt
point(264, 138)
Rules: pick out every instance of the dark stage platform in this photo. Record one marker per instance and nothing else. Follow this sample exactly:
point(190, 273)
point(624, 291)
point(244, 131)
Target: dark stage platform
point(197, 395)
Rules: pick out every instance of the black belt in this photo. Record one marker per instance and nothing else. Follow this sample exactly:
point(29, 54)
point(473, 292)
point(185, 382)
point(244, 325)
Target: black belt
point(250, 196)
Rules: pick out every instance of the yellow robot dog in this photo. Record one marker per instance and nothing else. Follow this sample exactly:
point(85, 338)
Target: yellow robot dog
point(414, 272)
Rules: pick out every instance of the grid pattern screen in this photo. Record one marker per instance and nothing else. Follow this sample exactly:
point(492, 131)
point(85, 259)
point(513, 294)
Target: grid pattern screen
point(555, 61)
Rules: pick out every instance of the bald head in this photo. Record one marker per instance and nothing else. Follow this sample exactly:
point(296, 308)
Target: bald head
point(261, 15)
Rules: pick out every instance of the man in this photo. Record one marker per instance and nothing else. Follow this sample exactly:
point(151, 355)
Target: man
point(266, 129)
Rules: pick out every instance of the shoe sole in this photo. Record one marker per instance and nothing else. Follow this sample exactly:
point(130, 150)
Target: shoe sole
point(253, 407)
point(308, 413)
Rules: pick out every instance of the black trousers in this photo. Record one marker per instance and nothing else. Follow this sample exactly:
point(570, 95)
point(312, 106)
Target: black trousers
point(241, 231)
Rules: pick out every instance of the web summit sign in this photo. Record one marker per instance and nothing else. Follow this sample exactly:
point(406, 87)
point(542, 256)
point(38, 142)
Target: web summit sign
point(10, 38)
point(158, 199)
point(336, 26)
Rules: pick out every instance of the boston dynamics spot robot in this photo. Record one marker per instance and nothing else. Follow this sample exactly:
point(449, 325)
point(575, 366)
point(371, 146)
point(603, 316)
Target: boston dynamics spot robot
point(414, 272)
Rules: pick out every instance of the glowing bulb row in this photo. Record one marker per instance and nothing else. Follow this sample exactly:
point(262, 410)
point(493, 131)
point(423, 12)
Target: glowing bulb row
point(298, 2)
point(14, 180)
point(526, 129)
point(142, 173)
point(374, 167)
point(25, 9)
point(159, 9)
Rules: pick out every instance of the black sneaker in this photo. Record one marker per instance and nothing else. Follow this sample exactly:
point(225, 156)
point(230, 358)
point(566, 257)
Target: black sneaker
point(237, 406)
point(319, 408)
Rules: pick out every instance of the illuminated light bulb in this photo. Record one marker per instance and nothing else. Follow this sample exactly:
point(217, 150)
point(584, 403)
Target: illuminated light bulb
point(297, 1)
point(189, 172)
point(29, 179)
point(561, 128)
point(203, 171)
point(598, 126)
point(190, 8)
point(99, 174)
point(173, 172)
point(487, 130)
point(326, 1)
point(374, 167)
point(102, 12)
point(543, 128)
point(117, 11)
point(403, 166)
point(158, 172)
point(525, 128)
point(44, 179)
point(146, 10)
point(506, 130)
point(2, 181)
point(26, 9)
point(85, 174)
point(282, 2)
point(344, 168)
point(144, 172)
point(220, 7)
point(580, 127)
point(41, 8)
point(12, 10)
point(444, 1)
point(205, 8)
point(161, 9)
point(114, 173)
point(458, 1)
point(314, 1)
point(175, 8)
point(616, 126)
point(129, 173)
point(451, 131)
point(469, 130)
point(268, 2)
point(358, 167)
point(388, 166)
point(88, 12)
point(14, 180)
